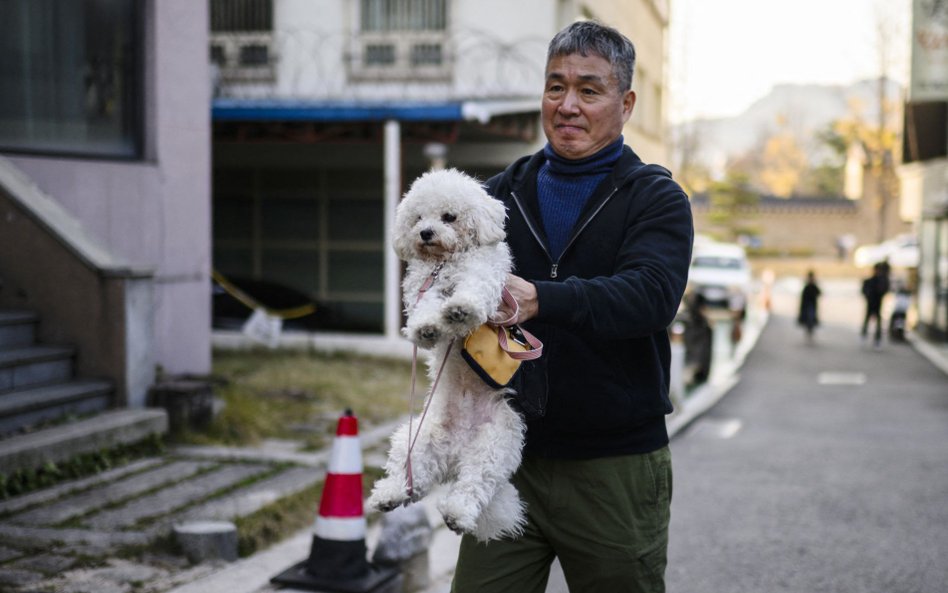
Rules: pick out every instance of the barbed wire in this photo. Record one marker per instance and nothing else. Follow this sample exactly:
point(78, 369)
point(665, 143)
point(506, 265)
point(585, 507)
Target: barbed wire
point(305, 63)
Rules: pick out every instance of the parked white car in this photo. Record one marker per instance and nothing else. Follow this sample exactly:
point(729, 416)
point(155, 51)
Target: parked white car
point(900, 252)
point(721, 273)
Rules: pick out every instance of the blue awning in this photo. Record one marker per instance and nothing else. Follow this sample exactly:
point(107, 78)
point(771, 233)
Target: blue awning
point(359, 111)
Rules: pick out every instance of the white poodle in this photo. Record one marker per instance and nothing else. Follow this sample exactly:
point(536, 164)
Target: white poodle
point(451, 233)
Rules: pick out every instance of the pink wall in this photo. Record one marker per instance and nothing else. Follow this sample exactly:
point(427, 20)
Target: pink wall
point(156, 212)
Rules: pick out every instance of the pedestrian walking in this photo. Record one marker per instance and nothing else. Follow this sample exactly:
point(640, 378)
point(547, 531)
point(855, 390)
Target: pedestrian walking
point(874, 288)
point(602, 244)
point(809, 310)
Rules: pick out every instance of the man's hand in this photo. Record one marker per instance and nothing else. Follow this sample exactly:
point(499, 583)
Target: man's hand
point(526, 295)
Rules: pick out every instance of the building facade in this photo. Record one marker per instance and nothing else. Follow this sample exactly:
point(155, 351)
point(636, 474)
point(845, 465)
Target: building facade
point(104, 111)
point(924, 170)
point(326, 110)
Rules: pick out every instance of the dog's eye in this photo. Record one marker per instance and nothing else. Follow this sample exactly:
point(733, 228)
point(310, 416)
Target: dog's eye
point(448, 217)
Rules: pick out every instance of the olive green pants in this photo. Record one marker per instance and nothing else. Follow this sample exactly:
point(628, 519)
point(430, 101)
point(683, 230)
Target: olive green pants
point(605, 519)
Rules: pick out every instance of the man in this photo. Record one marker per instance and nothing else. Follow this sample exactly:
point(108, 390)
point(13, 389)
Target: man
point(601, 244)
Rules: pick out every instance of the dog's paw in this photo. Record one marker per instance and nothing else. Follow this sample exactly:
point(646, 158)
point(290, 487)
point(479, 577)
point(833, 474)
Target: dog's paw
point(457, 313)
point(389, 505)
point(426, 336)
point(387, 496)
point(458, 516)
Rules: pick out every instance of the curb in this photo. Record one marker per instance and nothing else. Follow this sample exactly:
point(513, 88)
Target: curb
point(938, 357)
point(722, 380)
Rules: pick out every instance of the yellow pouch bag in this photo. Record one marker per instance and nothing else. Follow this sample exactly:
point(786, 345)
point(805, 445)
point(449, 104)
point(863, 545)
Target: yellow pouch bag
point(495, 353)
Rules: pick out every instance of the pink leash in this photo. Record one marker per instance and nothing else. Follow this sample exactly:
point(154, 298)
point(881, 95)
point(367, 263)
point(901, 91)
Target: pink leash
point(532, 354)
point(536, 346)
point(414, 373)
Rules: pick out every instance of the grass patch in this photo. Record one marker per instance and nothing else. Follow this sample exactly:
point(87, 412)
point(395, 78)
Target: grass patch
point(300, 395)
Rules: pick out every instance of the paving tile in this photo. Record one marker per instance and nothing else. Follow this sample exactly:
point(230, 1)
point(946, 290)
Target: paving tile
point(166, 500)
point(46, 536)
point(9, 553)
point(96, 498)
point(52, 493)
point(18, 578)
point(47, 564)
point(247, 500)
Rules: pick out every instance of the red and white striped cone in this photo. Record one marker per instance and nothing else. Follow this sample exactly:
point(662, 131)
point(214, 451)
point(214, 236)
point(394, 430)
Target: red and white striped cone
point(339, 532)
point(337, 559)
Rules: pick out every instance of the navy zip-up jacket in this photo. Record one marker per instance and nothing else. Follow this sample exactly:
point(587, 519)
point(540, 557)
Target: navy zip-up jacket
point(601, 386)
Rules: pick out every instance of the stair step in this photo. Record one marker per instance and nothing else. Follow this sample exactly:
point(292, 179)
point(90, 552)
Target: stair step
point(17, 328)
point(34, 365)
point(30, 407)
point(59, 443)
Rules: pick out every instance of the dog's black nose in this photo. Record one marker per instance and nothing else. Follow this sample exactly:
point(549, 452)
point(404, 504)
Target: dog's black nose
point(426, 234)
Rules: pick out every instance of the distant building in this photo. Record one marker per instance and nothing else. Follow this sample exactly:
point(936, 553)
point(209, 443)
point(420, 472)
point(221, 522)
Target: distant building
point(924, 169)
point(924, 179)
point(325, 111)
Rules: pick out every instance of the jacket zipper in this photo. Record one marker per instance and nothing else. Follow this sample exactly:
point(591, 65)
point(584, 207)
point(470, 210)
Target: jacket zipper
point(556, 264)
point(535, 234)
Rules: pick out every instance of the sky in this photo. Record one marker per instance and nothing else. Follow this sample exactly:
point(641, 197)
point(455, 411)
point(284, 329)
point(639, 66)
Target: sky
point(726, 54)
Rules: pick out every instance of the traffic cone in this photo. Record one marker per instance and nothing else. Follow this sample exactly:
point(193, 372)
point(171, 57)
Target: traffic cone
point(337, 560)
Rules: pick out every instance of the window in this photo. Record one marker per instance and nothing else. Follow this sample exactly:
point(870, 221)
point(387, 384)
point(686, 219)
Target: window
point(403, 15)
point(71, 77)
point(401, 40)
point(235, 16)
point(242, 40)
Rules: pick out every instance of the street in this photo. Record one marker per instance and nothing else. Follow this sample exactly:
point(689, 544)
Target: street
point(823, 469)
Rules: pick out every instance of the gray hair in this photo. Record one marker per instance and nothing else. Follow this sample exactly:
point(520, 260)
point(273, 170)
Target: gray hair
point(591, 37)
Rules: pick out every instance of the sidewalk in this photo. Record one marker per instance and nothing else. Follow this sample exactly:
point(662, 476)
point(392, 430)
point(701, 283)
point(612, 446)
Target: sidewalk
point(937, 354)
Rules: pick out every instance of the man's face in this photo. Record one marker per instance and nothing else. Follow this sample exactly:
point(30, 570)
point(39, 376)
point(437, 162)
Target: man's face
point(583, 109)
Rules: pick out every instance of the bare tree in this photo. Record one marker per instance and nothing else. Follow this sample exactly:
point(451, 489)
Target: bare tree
point(881, 153)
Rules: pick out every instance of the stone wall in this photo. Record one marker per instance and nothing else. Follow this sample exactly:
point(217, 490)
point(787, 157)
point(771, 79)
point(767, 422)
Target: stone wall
point(806, 225)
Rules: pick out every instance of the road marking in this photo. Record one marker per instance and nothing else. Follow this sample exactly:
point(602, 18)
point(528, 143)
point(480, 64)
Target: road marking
point(719, 428)
point(841, 378)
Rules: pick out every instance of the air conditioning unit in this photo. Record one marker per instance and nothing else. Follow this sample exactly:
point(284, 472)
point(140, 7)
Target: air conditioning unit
point(244, 57)
point(412, 55)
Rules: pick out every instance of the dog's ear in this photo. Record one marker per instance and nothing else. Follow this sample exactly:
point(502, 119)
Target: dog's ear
point(402, 240)
point(490, 216)
point(403, 248)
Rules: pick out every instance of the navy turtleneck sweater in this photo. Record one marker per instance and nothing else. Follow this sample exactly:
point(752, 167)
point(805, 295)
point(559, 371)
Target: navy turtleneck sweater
point(564, 186)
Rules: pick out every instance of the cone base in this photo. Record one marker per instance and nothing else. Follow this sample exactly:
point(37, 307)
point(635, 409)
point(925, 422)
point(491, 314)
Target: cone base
point(334, 559)
point(378, 579)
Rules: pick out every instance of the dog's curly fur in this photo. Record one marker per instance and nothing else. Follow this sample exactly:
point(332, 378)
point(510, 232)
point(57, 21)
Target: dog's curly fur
point(471, 439)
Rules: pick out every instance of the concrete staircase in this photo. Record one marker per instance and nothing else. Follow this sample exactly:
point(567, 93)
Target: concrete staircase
point(48, 414)
point(36, 381)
